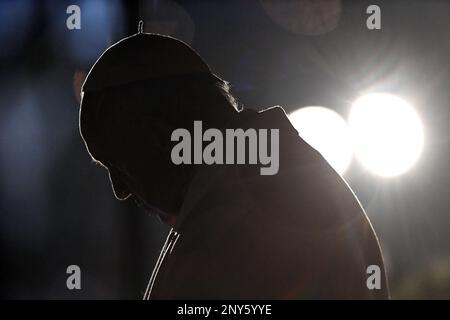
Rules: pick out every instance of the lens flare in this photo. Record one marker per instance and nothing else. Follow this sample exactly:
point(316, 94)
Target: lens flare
point(387, 134)
point(327, 132)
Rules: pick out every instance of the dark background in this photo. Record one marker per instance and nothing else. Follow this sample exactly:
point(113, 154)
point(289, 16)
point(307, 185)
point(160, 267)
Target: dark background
point(56, 207)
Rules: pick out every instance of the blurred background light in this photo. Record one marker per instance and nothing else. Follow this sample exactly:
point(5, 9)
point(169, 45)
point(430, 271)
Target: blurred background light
point(387, 133)
point(101, 22)
point(307, 17)
point(327, 132)
point(16, 20)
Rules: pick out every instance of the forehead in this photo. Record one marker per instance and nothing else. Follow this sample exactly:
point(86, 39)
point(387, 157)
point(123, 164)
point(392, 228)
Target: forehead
point(117, 131)
point(92, 127)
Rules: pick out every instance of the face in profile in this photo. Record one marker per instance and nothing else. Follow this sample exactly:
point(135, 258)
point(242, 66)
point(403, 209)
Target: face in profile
point(141, 169)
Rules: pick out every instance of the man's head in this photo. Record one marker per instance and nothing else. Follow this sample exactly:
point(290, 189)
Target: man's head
point(137, 93)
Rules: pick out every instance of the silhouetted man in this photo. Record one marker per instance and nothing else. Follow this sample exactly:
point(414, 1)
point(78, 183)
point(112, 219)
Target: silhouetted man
point(296, 232)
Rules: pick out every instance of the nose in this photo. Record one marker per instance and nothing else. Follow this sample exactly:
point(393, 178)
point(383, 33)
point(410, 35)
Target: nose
point(120, 188)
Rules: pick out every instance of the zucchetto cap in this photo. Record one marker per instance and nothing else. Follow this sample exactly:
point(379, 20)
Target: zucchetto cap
point(143, 56)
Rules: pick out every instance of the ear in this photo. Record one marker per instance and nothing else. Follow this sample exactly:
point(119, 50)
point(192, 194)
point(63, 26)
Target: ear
point(159, 133)
point(120, 188)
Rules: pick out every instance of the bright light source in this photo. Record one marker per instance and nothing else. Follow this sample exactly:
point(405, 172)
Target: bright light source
point(387, 132)
point(327, 132)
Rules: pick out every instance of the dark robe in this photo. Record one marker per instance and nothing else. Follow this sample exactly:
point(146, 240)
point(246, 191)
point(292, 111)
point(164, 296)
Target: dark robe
point(298, 234)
